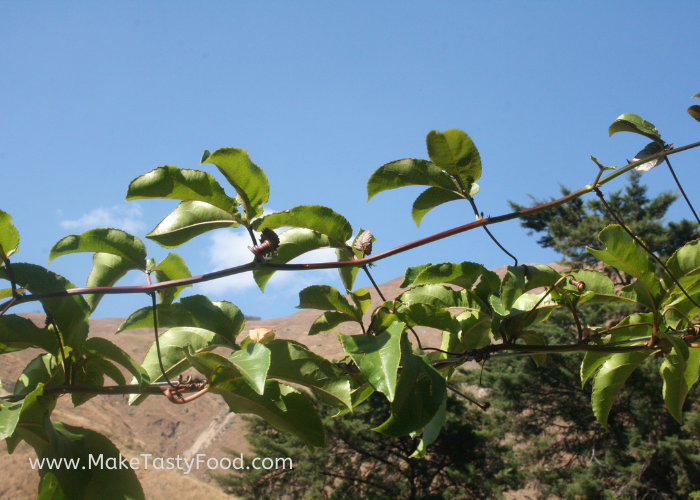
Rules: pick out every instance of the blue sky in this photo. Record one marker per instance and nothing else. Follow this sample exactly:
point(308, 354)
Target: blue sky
point(320, 94)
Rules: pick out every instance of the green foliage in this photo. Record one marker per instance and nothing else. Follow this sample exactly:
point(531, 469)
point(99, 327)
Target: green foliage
point(634, 322)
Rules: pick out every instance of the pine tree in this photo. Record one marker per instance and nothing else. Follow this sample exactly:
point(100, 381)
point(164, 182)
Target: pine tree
point(644, 453)
point(470, 459)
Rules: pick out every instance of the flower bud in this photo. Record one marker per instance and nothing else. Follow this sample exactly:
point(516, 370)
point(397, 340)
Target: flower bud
point(261, 334)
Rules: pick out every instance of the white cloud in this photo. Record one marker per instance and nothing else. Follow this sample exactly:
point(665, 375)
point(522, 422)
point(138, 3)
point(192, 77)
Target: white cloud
point(229, 248)
point(125, 217)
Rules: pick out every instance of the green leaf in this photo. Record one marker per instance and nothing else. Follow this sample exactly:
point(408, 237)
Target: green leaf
point(49, 489)
point(281, 406)
point(108, 482)
point(673, 372)
point(9, 236)
point(168, 316)
point(174, 360)
point(245, 176)
point(17, 333)
point(87, 373)
point(329, 320)
point(294, 362)
point(315, 217)
point(107, 269)
point(634, 326)
point(455, 153)
point(599, 287)
point(534, 338)
point(293, 243)
point(220, 317)
point(623, 253)
point(181, 184)
point(362, 300)
point(694, 111)
point(30, 426)
point(610, 379)
point(629, 122)
point(112, 241)
point(377, 357)
point(349, 273)
point(431, 430)
point(520, 279)
point(9, 416)
point(408, 172)
point(438, 295)
point(431, 198)
point(103, 348)
point(205, 155)
point(428, 315)
point(44, 370)
point(69, 311)
point(475, 329)
point(190, 219)
point(522, 315)
point(463, 275)
point(409, 277)
point(171, 268)
point(420, 392)
point(109, 369)
point(327, 298)
point(684, 264)
point(253, 362)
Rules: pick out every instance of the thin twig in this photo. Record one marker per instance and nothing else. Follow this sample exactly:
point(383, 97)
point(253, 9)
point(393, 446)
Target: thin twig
point(155, 329)
point(9, 304)
point(681, 188)
point(476, 213)
point(64, 360)
point(109, 390)
point(484, 407)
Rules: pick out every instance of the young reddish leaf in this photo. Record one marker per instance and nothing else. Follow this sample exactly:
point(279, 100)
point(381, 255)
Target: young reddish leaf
point(363, 242)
